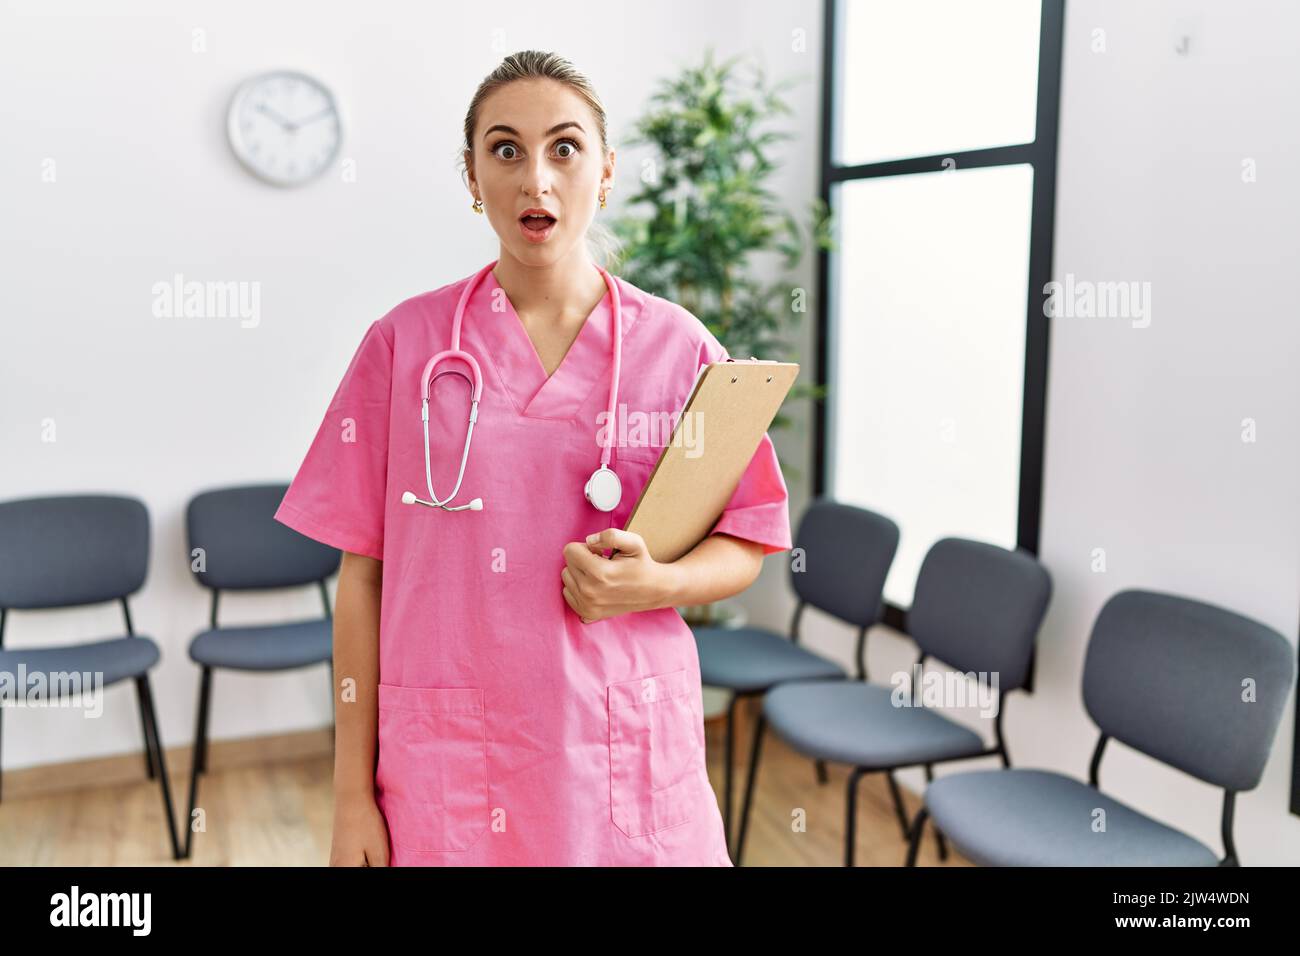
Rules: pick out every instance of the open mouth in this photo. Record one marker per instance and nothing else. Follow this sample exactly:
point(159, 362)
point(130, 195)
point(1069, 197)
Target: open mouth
point(536, 223)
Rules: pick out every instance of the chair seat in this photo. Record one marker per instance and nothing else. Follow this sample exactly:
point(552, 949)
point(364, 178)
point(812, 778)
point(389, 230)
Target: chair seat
point(116, 659)
point(271, 647)
point(748, 659)
point(857, 723)
point(1039, 818)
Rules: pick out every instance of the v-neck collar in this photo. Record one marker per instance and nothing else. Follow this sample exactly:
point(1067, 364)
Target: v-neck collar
point(519, 370)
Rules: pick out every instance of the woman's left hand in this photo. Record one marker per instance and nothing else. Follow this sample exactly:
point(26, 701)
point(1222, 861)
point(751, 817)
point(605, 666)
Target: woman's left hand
point(597, 587)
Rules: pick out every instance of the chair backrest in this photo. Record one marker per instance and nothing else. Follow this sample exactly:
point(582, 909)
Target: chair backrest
point(245, 548)
point(1191, 684)
point(67, 550)
point(978, 607)
point(846, 554)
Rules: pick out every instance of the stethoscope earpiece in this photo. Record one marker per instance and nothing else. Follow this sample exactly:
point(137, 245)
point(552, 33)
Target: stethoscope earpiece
point(408, 498)
point(603, 489)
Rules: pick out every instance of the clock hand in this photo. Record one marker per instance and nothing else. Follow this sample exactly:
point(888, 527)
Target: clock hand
point(328, 111)
point(284, 123)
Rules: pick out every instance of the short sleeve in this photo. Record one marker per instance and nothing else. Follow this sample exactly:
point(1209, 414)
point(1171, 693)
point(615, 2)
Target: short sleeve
point(338, 495)
point(759, 509)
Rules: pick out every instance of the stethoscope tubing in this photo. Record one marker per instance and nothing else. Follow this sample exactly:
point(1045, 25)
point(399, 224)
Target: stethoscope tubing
point(476, 389)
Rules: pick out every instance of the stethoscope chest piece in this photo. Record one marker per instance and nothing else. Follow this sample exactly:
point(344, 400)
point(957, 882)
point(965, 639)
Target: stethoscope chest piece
point(603, 489)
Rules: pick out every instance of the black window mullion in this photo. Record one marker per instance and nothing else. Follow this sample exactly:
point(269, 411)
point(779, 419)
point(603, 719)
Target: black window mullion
point(962, 159)
point(1041, 223)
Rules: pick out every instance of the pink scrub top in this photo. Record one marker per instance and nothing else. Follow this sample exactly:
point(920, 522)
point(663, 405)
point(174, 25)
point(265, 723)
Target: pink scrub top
point(511, 733)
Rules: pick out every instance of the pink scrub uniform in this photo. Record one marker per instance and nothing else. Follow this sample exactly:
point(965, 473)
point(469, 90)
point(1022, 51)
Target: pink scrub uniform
point(511, 733)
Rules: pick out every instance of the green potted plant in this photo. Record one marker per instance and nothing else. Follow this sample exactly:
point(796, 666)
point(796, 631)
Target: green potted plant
point(713, 236)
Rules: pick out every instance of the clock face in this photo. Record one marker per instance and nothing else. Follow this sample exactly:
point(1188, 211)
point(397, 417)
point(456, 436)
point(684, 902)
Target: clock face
point(284, 127)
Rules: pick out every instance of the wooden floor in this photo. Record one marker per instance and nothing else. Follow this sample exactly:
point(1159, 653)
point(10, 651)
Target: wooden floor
point(280, 814)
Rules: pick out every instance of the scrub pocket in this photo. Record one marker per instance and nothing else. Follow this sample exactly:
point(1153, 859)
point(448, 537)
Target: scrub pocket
point(431, 776)
point(656, 752)
point(633, 465)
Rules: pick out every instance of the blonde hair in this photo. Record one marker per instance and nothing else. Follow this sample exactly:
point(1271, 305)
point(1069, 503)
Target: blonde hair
point(535, 64)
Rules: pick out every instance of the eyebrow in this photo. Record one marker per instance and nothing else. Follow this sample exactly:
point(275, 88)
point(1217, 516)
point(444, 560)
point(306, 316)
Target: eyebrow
point(514, 132)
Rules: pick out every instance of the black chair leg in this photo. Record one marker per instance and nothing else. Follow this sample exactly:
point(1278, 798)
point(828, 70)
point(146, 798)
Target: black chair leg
point(938, 837)
point(149, 742)
point(152, 734)
point(914, 839)
point(822, 776)
point(759, 726)
point(851, 816)
point(201, 741)
point(898, 802)
point(197, 763)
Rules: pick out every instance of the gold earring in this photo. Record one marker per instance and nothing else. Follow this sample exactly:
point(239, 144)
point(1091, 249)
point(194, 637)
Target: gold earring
point(602, 200)
point(477, 206)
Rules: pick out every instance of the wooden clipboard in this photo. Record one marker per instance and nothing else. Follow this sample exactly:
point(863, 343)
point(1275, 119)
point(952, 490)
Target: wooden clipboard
point(714, 440)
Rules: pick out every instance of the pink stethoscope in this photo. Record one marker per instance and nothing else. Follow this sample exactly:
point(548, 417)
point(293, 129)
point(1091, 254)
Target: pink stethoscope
point(603, 488)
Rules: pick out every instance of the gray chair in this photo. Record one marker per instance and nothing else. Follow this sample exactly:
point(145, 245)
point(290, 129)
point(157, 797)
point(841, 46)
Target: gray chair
point(977, 607)
point(847, 552)
point(74, 550)
point(237, 545)
point(1167, 676)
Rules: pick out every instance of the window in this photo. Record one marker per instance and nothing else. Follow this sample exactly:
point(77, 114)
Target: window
point(923, 77)
point(940, 151)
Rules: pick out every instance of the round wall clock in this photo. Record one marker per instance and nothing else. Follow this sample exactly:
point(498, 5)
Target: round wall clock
point(284, 126)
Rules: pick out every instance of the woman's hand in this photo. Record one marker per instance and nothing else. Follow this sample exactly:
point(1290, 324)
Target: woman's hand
point(597, 587)
point(360, 833)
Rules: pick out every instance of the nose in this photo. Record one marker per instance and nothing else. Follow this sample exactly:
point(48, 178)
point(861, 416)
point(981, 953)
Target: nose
point(537, 176)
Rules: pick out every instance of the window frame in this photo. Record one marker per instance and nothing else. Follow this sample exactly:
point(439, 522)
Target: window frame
point(1041, 156)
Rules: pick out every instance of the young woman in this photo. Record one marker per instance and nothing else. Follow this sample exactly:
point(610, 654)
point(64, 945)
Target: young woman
point(510, 692)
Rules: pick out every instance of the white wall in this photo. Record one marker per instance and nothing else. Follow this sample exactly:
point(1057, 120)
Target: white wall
point(1144, 454)
point(146, 187)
